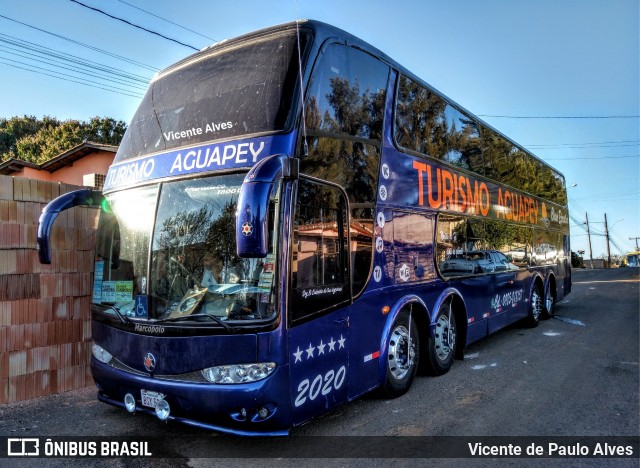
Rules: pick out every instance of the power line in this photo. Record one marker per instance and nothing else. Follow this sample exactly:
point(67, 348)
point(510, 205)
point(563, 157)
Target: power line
point(555, 116)
point(74, 81)
point(70, 58)
point(168, 21)
point(585, 146)
point(135, 84)
point(53, 63)
point(134, 25)
point(581, 144)
point(615, 195)
point(598, 157)
point(60, 73)
point(96, 49)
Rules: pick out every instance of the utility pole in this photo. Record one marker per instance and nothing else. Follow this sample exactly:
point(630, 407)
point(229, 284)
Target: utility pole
point(606, 233)
point(589, 237)
point(635, 239)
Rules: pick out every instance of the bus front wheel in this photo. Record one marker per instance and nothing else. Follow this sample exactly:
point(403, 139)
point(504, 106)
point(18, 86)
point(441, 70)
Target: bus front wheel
point(402, 356)
point(441, 346)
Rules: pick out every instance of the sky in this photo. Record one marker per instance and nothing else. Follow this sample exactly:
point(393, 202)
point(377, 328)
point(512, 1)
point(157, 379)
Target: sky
point(560, 77)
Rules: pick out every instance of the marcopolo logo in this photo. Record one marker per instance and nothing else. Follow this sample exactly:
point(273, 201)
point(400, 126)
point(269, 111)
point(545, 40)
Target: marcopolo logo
point(23, 447)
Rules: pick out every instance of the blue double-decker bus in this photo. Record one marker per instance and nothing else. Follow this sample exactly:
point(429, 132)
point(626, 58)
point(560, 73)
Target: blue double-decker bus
point(293, 220)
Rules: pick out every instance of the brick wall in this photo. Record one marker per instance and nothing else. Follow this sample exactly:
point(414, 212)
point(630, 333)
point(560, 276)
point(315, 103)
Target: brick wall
point(45, 328)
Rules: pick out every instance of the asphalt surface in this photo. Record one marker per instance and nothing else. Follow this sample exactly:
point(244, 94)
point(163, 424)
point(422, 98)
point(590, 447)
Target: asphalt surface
point(576, 374)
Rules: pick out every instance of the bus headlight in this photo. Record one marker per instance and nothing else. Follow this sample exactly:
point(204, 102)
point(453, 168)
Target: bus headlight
point(239, 373)
point(101, 354)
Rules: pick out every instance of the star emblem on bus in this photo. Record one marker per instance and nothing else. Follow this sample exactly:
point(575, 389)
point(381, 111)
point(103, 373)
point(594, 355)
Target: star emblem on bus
point(247, 229)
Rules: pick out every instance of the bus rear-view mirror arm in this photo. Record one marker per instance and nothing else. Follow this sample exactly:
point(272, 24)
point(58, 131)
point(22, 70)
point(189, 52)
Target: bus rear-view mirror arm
point(252, 215)
point(84, 197)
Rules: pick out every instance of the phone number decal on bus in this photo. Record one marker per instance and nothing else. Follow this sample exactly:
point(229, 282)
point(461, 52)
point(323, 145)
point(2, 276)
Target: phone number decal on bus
point(511, 298)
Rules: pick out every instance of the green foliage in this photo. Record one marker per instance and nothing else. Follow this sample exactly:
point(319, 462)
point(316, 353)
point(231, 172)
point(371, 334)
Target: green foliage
point(38, 140)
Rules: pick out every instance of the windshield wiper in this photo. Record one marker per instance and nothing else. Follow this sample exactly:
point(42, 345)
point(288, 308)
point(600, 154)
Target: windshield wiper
point(196, 316)
point(122, 318)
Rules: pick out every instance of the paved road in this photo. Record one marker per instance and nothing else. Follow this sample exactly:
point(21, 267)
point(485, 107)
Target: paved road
point(574, 375)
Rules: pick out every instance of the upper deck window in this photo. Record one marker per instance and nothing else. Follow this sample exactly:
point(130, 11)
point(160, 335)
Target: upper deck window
point(239, 89)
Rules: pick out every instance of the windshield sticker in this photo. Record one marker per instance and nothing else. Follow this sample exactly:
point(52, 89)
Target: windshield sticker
point(265, 282)
point(108, 291)
point(202, 158)
point(117, 291)
point(97, 282)
point(142, 306)
point(123, 291)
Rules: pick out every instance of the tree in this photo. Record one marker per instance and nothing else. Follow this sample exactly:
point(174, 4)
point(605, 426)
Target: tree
point(16, 128)
point(105, 130)
point(49, 142)
point(35, 140)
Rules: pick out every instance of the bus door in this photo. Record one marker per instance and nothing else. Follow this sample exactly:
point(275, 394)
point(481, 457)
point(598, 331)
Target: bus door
point(319, 297)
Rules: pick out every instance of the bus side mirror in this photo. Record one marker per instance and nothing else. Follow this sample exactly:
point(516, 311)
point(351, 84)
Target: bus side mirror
point(84, 197)
point(252, 214)
point(251, 220)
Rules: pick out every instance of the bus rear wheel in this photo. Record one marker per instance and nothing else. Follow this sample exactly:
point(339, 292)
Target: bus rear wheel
point(441, 346)
point(402, 356)
point(536, 308)
point(549, 302)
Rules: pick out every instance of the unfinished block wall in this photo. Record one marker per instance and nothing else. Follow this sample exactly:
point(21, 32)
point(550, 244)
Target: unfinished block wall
point(45, 328)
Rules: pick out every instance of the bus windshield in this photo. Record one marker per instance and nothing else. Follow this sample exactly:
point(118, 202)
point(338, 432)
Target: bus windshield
point(184, 261)
point(233, 89)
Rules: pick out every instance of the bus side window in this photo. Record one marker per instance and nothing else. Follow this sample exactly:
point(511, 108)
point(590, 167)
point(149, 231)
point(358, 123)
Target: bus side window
point(345, 104)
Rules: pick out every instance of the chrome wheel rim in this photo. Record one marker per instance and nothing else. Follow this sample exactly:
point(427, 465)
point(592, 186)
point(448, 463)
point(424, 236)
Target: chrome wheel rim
point(536, 305)
point(548, 300)
point(445, 339)
point(402, 352)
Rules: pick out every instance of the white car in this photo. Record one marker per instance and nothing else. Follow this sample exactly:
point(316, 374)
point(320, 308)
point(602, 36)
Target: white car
point(476, 262)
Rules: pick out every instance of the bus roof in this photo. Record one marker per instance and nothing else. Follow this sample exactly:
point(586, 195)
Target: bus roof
point(321, 32)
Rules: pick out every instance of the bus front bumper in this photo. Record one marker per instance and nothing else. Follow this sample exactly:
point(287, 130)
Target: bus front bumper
point(260, 408)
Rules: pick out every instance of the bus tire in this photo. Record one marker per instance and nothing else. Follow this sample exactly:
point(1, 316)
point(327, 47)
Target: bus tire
point(536, 308)
point(549, 302)
point(402, 356)
point(441, 347)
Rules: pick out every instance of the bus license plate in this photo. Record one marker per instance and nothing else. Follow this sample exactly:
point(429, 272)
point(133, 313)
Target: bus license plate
point(150, 399)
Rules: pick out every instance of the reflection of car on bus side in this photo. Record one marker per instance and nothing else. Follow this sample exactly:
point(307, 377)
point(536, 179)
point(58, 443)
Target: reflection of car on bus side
point(518, 254)
point(476, 262)
point(544, 254)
